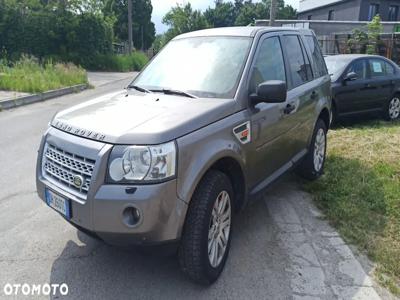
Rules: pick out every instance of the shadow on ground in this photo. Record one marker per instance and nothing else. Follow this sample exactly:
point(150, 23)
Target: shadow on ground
point(367, 119)
point(281, 249)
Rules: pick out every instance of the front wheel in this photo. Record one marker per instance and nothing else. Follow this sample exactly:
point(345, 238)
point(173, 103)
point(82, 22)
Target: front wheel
point(392, 109)
point(313, 164)
point(207, 233)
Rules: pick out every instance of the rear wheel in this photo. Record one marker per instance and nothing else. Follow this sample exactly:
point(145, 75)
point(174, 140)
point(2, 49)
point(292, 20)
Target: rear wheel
point(392, 109)
point(313, 164)
point(207, 234)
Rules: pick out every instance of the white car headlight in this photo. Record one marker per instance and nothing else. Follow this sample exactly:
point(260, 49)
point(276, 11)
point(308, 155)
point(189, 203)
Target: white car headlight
point(142, 163)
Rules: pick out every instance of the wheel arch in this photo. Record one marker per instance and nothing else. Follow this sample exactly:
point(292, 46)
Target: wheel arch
point(232, 168)
point(325, 116)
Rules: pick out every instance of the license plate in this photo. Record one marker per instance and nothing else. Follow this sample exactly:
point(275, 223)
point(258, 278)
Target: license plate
point(59, 203)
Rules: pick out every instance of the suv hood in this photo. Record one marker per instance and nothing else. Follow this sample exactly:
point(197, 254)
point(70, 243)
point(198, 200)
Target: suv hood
point(133, 118)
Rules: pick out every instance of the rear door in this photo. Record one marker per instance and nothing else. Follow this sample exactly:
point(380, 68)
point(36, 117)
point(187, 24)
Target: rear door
point(382, 83)
point(303, 93)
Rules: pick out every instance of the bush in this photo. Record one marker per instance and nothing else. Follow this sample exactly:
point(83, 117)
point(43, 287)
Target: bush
point(28, 75)
point(116, 63)
point(44, 33)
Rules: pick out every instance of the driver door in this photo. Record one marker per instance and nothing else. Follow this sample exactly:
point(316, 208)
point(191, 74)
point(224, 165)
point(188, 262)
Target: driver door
point(354, 95)
point(270, 123)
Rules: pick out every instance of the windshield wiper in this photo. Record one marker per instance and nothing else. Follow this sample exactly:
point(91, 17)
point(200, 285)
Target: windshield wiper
point(174, 92)
point(139, 88)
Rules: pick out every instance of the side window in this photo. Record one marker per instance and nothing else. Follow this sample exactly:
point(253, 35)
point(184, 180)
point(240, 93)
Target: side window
point(318, 61)
point(269, 64)
point(308, 64)
point(389, 69)
point(377, 67)
point(360, 68)
point(297, 65)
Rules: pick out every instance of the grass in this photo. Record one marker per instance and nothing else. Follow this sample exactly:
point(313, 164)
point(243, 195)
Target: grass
point(27, 75)
point(117, 62)
point(360, 193)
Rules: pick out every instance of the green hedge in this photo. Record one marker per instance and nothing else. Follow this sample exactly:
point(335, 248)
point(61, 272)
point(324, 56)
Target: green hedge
point(115, 63)
point(44, 33)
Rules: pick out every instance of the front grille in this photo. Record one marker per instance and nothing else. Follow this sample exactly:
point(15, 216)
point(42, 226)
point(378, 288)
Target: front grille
point(63, 166)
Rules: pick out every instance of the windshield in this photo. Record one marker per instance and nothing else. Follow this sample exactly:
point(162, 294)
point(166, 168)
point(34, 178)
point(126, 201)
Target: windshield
point(336, 64)
point(201, 66)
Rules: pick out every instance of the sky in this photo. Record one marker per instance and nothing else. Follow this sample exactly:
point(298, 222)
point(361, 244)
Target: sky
point(161, 7)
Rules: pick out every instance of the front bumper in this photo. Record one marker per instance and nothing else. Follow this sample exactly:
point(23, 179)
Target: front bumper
point(162, 213)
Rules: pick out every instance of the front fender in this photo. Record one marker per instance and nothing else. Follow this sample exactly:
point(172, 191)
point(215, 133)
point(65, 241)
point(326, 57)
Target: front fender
point(199, 150)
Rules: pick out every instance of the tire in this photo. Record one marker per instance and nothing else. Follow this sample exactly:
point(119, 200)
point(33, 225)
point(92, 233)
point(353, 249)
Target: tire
point(195, 258)
point(392, 109)
point(312, 168)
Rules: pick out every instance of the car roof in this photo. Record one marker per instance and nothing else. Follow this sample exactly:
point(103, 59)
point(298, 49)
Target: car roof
point(350, 57)
point(241, 31)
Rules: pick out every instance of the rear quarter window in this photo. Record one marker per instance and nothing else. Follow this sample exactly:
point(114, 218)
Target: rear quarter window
point(318, 62)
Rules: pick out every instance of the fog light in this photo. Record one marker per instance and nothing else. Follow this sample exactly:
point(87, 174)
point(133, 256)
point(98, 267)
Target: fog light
point(131, 216)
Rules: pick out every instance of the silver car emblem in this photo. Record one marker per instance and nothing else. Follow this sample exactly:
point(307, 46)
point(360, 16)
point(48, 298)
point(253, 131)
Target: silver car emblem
point(78, 181)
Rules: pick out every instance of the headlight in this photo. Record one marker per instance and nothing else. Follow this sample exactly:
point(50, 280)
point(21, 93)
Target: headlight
point(142, 163)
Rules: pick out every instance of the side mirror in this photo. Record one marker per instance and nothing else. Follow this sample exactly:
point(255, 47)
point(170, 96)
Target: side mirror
point(351, 77)
point(272, 91)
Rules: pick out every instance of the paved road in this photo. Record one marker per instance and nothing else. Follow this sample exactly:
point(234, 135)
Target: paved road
point(282, 248)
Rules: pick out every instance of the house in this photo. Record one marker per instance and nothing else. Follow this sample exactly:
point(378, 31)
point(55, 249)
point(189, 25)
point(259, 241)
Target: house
point(349, 10)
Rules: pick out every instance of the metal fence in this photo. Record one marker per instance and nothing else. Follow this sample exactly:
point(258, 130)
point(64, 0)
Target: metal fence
point(389, 45)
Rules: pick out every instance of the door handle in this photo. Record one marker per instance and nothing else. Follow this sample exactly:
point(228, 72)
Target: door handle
point(314, 95)
point(289, 108)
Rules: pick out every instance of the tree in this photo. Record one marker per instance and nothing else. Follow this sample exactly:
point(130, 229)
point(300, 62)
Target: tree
point(358, 41)
point(222, 15)
point(183, 19)
point(143, 28)
point(250, 11)
point(375, 29)
point(367, 40)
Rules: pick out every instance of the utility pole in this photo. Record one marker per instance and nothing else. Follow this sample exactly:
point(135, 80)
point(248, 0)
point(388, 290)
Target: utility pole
point(272, 13)
point(130, 38)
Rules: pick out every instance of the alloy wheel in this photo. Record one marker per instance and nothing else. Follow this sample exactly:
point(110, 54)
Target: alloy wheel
point(219, 229)
point(319, 150)
point(394, 108)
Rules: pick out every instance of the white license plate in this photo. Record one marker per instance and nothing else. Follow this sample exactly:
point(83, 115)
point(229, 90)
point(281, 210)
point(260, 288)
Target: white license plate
point(58, 203)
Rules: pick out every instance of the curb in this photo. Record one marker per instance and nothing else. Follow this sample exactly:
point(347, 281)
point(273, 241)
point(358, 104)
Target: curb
point(11, 103)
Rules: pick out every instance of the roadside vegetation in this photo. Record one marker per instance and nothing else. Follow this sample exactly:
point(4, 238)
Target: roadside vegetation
point(360, 193)
point(117, 62)
point(28, 75)
point(84, 32)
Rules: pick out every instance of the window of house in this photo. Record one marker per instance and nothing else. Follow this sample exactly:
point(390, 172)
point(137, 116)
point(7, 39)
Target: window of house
point(269, 64)
point(299, 70)
point(331, 15)
point(309, 17)
point(393, 12)
point(373, 11)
